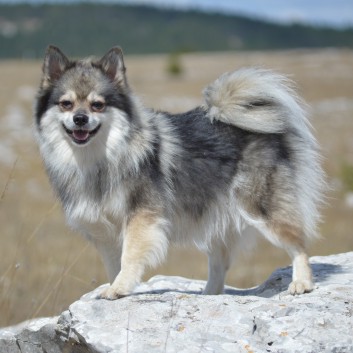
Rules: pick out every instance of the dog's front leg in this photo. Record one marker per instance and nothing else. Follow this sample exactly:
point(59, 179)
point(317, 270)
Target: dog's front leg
point(110, 252)
point(145, 244)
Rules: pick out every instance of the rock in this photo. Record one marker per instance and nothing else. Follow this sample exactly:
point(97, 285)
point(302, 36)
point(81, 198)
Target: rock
point(32, 336)
point(167, 314)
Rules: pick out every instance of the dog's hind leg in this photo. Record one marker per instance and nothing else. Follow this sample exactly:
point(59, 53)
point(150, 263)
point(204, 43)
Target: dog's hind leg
point(292, 239)
point(302, 275)
point(144, 244)
point(219, 260)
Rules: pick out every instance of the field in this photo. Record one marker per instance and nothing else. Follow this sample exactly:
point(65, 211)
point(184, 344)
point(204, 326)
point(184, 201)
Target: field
point(44, 267)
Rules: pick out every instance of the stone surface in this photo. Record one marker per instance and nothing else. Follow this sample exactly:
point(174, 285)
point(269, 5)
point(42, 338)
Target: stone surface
point(167, 314)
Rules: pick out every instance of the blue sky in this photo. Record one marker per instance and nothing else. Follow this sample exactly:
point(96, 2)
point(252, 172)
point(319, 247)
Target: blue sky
point(327, 12)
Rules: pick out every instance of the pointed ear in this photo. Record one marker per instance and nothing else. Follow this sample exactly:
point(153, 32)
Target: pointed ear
point(54, 65)
point(113, 66)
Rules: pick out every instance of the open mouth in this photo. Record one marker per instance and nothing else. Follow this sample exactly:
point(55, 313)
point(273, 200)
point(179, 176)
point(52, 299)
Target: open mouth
point(81, 136)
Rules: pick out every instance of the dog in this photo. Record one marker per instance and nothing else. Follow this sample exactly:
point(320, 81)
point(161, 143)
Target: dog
point(134, 180)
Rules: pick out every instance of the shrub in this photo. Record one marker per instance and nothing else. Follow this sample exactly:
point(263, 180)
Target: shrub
point(174, 66)
point(347, 176)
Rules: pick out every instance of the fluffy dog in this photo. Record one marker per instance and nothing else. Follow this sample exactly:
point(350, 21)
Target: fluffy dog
point(134, 180)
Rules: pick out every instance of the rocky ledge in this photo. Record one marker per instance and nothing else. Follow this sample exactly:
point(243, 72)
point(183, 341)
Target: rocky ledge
point(167, 314)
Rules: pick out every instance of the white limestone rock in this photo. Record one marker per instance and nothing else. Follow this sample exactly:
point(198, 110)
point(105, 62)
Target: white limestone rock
point(168, 314)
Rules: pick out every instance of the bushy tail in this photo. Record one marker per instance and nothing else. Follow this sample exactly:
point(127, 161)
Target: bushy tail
point(256, 100)
point(263, 101)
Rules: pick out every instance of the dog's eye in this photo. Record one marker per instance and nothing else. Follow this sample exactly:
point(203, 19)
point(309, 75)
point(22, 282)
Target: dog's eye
point(97, 106)
point(66, 105)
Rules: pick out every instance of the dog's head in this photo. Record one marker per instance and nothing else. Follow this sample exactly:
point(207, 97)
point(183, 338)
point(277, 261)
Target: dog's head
point(78, 100)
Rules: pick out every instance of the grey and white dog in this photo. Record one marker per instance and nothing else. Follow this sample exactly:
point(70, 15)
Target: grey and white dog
point(134, 180)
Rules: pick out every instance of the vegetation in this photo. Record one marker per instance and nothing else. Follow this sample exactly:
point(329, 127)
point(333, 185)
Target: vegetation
point(174, 66)
point(347, 176)
point(86, 28)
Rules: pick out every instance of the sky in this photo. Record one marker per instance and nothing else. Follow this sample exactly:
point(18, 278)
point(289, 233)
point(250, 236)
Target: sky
point(338, 13)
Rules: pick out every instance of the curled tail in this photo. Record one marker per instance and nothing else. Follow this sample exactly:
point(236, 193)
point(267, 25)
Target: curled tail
point(263, 101)
point(256, 100)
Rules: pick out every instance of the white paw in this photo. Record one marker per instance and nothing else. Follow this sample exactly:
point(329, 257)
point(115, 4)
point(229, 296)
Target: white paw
point(213, 290)
point(300, 287)
point(111, 293)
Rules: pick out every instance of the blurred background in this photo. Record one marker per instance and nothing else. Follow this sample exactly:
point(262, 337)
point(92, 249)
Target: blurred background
point(173, 49)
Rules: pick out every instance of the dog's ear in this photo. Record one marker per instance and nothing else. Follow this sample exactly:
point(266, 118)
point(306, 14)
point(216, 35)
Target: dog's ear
point(112, 64)
point(54, 65)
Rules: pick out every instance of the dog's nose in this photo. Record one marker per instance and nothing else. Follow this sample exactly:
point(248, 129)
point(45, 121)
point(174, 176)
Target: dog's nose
point(80, 119)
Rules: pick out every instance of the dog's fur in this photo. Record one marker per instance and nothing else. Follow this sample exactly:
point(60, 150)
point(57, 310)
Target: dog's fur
point(133, 180)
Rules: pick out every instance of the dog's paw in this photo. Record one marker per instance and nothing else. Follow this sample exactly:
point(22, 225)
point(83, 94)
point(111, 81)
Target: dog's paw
point(111, 293)
point(300, 287)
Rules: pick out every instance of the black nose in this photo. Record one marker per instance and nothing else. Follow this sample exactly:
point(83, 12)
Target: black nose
point(80, 119)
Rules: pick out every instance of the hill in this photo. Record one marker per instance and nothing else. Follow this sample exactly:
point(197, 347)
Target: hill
point(86, 28)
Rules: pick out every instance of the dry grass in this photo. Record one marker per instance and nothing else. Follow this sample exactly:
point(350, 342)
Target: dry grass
point(43, 267)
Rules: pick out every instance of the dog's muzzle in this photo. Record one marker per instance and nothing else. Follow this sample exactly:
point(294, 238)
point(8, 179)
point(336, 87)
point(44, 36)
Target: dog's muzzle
point(81, 135)
point(80, 119)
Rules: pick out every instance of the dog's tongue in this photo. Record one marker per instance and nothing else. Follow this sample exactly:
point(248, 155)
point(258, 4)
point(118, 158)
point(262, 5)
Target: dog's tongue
point(80, 135)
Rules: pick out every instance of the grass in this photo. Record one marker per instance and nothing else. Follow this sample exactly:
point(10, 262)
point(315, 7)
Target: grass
point(174, 66)
point(44, 266)
point(347, 176)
